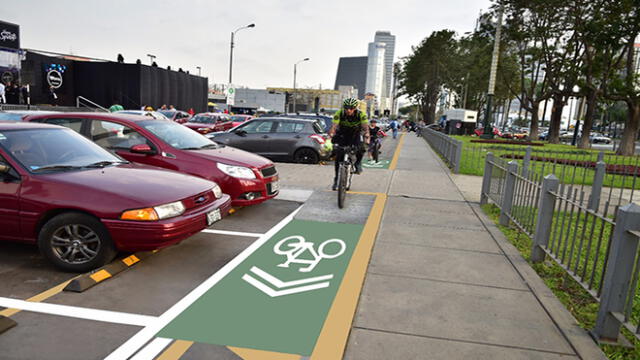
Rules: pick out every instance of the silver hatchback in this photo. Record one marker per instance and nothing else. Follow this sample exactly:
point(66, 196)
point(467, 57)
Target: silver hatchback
point(279, 139)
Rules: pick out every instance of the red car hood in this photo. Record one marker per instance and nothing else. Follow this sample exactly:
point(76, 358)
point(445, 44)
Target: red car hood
point(134, 184)
point(232, 156)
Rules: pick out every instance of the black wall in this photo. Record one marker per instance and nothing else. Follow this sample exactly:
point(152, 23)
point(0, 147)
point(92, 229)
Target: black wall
point(34, 73)
point(132, 85)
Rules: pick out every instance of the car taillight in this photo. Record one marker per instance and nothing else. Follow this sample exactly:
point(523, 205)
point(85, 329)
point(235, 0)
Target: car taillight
point(318, 138)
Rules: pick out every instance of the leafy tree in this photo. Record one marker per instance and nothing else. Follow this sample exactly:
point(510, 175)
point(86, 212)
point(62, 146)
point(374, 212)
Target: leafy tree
point(431, 66)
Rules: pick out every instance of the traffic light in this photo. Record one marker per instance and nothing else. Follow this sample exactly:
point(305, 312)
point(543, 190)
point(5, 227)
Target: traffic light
point(387, 112)
point(376, 113)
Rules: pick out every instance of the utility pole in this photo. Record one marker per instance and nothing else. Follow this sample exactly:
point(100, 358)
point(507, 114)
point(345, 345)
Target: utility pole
point(488, 131)
point(295, 71)
point(231, 50)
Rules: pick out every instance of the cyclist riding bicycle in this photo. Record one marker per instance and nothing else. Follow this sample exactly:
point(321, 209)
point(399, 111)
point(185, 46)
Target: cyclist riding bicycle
point(349, 124)
point(374, 141)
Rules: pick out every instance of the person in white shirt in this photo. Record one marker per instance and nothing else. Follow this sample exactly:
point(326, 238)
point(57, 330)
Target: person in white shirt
point(3, 100)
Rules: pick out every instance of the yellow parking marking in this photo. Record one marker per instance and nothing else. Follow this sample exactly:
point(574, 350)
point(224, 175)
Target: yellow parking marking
point(130, 260)
point(40, 297)
point(335, 332)
point(231, 211)
point(252, 354)
point(175, 350)
point(100, 275)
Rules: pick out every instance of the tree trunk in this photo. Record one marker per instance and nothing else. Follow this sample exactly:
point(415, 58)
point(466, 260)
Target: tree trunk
point(533, 133)
point(588, 120)
point(556, 119)
point(631, 127)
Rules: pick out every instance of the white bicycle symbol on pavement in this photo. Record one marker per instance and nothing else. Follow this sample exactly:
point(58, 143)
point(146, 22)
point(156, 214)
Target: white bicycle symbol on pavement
point(294, 246)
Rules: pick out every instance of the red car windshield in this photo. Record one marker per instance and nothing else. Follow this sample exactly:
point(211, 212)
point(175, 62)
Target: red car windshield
point(178, 136)
point(40, 150)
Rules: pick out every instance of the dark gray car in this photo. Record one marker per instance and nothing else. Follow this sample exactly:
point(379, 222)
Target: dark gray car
point(282, 139)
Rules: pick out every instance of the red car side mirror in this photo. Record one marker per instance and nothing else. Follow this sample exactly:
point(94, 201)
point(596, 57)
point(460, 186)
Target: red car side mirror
point(142, 149)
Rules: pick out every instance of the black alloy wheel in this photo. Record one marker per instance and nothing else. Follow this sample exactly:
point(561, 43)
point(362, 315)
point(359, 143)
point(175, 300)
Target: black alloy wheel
point(76, 242)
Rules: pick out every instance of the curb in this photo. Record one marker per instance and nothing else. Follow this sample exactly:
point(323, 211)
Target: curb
point(6, 324)
point(91, 279)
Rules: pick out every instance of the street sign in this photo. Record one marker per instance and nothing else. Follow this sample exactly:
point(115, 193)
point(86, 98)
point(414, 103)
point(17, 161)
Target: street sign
point(278, 298)
point(231, 94)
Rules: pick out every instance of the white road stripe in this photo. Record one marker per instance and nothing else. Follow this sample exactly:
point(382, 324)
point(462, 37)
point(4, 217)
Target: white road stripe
point(236, 233)
point(79, 312)
point(131, 346)
point(153, 349)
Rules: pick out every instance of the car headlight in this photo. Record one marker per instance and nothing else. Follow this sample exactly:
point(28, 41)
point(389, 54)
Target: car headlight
point(204, 129)
point(217, 192)
point(240, 172)
point(159, 212)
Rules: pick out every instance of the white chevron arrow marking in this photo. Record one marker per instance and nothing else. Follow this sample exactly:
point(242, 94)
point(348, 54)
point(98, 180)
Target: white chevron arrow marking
point(273, 293)
point(283, 284)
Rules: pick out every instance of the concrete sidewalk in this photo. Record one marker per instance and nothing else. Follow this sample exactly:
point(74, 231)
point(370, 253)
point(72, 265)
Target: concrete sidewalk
point(444, 283)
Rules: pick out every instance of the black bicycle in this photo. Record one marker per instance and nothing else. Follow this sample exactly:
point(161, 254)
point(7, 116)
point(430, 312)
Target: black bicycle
point(346, 169)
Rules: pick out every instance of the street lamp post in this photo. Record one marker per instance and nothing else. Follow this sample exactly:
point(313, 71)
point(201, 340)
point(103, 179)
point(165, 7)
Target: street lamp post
point(488, 132)
point(231, 52)
point(199, 68)
point(295, 71)
point(152, 58)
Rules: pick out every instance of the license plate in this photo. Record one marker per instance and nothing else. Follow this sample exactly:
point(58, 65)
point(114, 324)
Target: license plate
point(213, 216)
point(275, 186)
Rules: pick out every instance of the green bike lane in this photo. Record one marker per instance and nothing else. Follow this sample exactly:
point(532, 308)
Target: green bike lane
point(280, 296)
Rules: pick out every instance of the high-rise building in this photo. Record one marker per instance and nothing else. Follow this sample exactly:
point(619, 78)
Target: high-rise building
point(352, 71)
point(375, 70)
point(389, 40)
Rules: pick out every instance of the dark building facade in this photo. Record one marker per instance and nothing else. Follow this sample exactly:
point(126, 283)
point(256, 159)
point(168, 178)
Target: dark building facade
point(103, 82)
point(352, 71)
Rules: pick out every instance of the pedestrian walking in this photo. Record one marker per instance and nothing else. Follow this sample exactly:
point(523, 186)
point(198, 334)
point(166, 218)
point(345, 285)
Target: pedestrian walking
point(394, 127)
point(3, 100)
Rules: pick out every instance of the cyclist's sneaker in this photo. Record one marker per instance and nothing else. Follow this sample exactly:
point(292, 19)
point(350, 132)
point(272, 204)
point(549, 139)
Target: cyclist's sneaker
point(334, 187)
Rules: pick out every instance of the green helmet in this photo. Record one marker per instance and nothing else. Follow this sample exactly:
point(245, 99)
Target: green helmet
point(350, 103)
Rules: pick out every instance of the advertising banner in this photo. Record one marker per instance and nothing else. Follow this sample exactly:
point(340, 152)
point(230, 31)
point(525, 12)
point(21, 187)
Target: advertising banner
point(9, 35)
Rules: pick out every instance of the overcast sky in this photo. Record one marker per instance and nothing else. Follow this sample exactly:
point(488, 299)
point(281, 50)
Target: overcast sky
point(190, 33)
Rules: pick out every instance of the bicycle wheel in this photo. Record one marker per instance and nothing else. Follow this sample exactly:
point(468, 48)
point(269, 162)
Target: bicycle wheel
point(343, 176)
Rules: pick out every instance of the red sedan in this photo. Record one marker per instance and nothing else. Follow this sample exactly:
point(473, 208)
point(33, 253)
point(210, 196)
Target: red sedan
point(248, 178)
point(209, 122)
point(239, 119)
point(81, 204)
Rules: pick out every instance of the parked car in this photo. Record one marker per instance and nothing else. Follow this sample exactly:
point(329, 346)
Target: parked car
point(81, 204)
point(496, 131)
point(248, 178)
point(153, 114)
point(18, 115)
point(326, 120)
point(178, 116)
point(239, 119)
point(598, 138)
point(205, 123)
point(279, 138)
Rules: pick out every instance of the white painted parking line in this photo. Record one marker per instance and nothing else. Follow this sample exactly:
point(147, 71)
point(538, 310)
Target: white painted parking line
point(79, 312)
point(131, 346)
point(153, 349)
point(235, 233)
